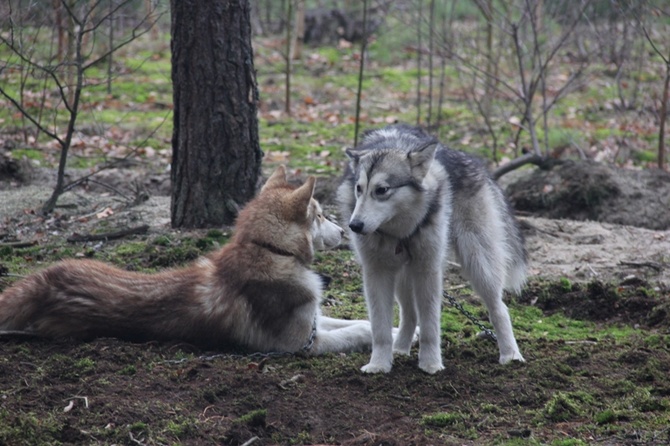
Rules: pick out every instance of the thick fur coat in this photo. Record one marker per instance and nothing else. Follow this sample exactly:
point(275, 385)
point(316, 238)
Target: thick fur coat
point(257, 292)
point(409, 202)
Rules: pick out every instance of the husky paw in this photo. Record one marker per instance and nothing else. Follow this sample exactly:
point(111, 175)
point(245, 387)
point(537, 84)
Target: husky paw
point(401, 351)
point(376, 368)
point(515, 356)
point(431, 368)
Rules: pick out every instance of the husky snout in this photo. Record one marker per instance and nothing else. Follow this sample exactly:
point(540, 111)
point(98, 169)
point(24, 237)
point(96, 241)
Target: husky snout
point(357, 226)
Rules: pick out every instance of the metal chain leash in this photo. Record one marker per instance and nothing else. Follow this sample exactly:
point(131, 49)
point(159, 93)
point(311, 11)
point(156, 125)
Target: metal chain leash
point(254, 355)
point(486, 332)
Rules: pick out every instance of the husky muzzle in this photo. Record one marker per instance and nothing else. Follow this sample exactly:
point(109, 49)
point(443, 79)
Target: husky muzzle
point(357, 226)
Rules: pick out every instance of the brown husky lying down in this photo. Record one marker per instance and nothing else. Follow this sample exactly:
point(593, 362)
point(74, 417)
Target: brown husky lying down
point(257, 292)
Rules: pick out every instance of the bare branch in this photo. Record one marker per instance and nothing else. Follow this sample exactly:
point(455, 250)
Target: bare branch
point(30, 117)
point(528, 158)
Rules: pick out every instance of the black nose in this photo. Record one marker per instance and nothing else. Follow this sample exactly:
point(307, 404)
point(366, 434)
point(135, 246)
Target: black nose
point(356, 226)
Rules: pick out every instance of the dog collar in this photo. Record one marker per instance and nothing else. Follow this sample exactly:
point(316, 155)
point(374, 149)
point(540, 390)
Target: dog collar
point(272, 248)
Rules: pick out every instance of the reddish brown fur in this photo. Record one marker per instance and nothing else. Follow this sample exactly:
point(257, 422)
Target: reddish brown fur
point(238, 295)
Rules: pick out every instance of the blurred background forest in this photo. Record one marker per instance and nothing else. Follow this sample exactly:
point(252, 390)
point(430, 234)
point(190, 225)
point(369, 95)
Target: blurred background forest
point(533, 79)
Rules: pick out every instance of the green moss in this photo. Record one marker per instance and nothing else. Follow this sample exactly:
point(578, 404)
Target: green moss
point(139, 427)
point(31, 154)
point(27, 429)
point(181, 427)
point(568, 442)
point(162, 240)
point(565, 284)
point(442, 419)
point(607, 416)
point(253, 418)
point(128, 370)
point(84, 365)
point(564, 406)
point(645, 156)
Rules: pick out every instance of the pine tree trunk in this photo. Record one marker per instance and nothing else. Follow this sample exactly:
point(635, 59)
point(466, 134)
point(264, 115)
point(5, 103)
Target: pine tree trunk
point(216, 154)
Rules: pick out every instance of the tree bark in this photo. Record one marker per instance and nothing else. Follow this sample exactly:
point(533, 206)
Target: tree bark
point(216, 155)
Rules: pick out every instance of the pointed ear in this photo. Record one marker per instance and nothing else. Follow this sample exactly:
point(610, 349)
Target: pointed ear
point(302, 196)
point(277, 178)
point(354, 157)
point(421, 159)
point(352, 154)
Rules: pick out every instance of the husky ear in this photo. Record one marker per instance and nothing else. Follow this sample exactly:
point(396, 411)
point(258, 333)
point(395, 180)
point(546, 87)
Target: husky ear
point(277, 178)
point(302, 196)
point(421, 159)
point(354, 157)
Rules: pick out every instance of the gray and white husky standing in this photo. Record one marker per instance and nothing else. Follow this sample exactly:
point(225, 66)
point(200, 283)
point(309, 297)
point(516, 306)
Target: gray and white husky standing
point(408, 202)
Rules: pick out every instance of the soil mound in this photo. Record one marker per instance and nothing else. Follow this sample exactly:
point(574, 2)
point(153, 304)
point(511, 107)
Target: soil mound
point(587, 190)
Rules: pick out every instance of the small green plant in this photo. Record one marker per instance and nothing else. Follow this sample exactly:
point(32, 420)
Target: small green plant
point(564, 406)
point(565, 284)
point(442, 419)
point(162, 240)
point(138, 426)
point(606, 417)
point(128, 370)
point(181, 428)
point(84, 365)
point(254, 418)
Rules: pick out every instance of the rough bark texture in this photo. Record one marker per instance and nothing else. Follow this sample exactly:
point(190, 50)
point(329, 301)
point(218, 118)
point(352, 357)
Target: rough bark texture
point(215, 148)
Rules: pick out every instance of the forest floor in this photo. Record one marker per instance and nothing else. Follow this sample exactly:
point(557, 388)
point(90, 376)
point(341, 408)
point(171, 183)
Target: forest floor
point(599, 375)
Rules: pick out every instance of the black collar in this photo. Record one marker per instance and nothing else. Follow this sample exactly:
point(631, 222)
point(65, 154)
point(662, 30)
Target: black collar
point(273, 249)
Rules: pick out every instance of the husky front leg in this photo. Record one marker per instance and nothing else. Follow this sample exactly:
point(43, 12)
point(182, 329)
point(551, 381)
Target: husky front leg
point(379, 285)
point(347, 337)
point(427, 292)
point(408, 318)
point(329, 323)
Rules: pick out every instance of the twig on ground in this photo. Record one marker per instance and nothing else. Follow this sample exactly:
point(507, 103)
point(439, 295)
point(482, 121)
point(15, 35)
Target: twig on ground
point(107, 236)
point(18, 244)
point(134, 440)
point(250, 441)
point(653, 265)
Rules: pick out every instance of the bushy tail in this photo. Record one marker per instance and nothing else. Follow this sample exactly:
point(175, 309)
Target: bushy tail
point(517, 262)
point(516, 277)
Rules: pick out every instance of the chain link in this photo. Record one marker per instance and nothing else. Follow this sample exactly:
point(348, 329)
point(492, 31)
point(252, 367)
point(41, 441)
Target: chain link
point(254, 355)
point(487, 332)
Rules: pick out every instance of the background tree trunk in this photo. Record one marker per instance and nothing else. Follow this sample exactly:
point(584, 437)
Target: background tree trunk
point(216, 155)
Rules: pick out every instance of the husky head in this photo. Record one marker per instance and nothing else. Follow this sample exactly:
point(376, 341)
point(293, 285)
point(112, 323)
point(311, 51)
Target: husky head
point(288, 219)
point(390, 175)
point(325, 233)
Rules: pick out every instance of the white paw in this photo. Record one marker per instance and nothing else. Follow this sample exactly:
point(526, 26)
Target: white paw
point(431, 368)
point(401, 351)
point(376, 368)
point(515, 356)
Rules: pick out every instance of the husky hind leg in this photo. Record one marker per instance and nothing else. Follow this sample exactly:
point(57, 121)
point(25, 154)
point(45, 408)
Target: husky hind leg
point(483, 263)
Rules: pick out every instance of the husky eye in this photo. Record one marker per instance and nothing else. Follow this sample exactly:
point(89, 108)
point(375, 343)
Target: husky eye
point(359, 189)
point(381, 190)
